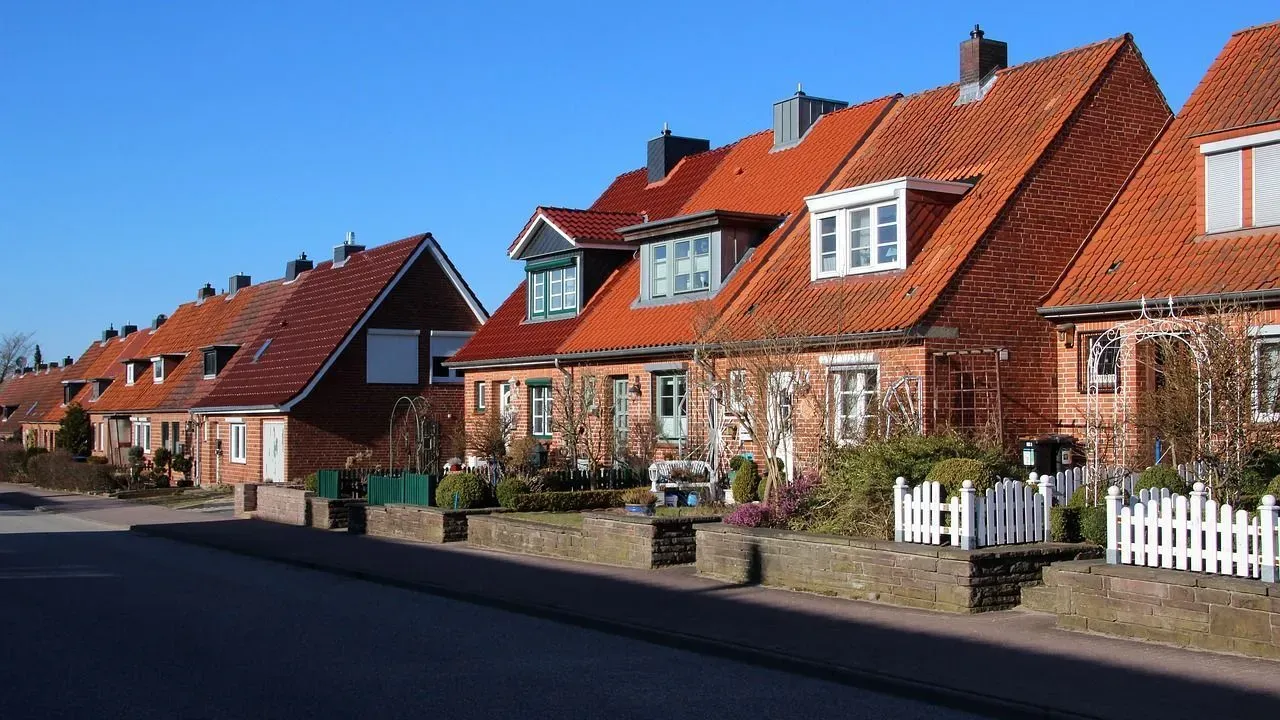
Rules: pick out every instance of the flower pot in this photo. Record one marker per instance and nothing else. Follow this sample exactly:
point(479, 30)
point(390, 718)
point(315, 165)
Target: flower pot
point(633, 509)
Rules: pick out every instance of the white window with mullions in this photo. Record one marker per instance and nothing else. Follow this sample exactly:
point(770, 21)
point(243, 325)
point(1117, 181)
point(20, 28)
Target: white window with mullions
point(1266, 380)
point(672, 406)
point(678, 267)
point(553, 292)
point(540, 410)
point(853, 402)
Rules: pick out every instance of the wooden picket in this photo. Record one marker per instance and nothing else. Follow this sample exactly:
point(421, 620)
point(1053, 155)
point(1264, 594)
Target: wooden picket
point(1010, 513)
point(1157, 528)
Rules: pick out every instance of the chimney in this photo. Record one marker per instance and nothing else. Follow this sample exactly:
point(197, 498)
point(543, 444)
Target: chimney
point(979, 57)
point(294, 268)
point(666, 150)
point(236, 283)
point(205, 293)
point(67, 361)
point(793, 117)
point(346, 249)
point(110, 333)
point(127, 330)
point(42, 367)
point(155, 324)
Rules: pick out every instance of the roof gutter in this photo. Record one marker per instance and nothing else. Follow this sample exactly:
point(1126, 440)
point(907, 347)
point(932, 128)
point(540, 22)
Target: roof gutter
point(242, 410)
point(1181, 301)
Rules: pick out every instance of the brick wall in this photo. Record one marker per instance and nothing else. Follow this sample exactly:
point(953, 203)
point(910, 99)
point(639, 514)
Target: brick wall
point(330, 514)
point(283, 505)
point(344, 415)
point(246, 499)
point(993, 300)
point(412, 522)
point(606, 538)
point(921, 576)
point(1206, 612)
point(217, 467)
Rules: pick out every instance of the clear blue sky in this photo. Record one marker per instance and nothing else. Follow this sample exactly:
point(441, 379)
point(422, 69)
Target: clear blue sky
point(149, 147)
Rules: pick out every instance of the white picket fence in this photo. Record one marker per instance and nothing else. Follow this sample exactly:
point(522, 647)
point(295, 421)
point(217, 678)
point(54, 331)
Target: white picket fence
point(1160, 529)
point(1010, 513)
point(1066, 482)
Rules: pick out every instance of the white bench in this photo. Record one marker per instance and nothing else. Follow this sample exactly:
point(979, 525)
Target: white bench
point(660, 477)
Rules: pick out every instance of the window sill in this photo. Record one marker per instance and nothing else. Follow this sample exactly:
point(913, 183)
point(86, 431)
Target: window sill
point(240, 462)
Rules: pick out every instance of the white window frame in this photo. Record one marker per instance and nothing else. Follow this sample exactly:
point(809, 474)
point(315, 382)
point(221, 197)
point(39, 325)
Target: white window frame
point(554, 292)
point(862, 394)
point(204, 364)
point(157, 370)
point(130, 372)
point(666, 270)
point(239, 436)
point(842, 204)
point(736, 402)
point(1272, 152)
point(540, 411)
point(453, 376)
point(383, 369)
point(482, 400)
point(1267, 337)
point(680, 405)
point(141, 432)
point(1236, 167)
point(504, 398)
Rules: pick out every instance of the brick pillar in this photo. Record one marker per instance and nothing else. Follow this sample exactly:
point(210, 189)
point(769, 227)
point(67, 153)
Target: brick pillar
point(246, 498)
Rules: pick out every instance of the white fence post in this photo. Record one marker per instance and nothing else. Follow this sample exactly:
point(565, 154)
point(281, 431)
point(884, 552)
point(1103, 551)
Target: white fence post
point(1046, 490)
point(899, 494)
point(1267, 548)
point(1113, 535)
point(968, 521)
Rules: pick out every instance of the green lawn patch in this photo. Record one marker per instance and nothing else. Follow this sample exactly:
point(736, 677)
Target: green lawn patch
point(691, 512)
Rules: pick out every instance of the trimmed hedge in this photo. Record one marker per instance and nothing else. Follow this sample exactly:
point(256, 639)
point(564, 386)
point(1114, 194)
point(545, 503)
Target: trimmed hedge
point(511, 487)
point(1078, 524)
point(57, 471)
point(746, 480)
point(952, 472)
point(567, 501)
point(469, 489)
point(1161, 476)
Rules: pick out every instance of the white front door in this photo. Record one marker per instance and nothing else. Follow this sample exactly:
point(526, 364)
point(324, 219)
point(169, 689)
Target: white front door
point(781, 398)
point(273, 452)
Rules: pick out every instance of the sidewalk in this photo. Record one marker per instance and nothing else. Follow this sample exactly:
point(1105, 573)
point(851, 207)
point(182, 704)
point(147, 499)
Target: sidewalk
point(1005, 664)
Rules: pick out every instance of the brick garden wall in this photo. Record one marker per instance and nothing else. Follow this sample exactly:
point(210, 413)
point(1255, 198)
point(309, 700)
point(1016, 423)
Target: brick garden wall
point(1206, 612)
point(283, 505)
point(605, 538)
point(413, 522)
point(921, 576)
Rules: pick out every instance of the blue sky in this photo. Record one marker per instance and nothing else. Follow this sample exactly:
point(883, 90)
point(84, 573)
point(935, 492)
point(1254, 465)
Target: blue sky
point(149, 147)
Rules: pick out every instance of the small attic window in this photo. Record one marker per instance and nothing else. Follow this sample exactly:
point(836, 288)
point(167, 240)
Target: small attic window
point(157, 370)
point(258, 355)
point(1226, 206)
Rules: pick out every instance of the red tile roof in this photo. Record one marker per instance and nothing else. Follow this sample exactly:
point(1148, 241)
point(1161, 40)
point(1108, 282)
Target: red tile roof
point(34, 395)
point(1153, 230)
point(309, 326)
point(507, 335)
point(998, 140)
point(582, 226)
point(751, 178)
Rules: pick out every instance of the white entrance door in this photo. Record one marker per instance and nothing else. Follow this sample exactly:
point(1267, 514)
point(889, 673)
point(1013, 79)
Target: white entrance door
point(273, 452)
point(781, 390)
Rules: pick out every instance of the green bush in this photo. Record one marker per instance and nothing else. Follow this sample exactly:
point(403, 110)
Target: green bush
point(856, 494)
point(311, 483)
point(1093, 525)
point(468, 489)
point(1161, 476)
point(952, 472)
point(746, 481)
point(57, 471)
point(1064, 524)
point(13, 458)
point(568, 501)
point(160, 459)
point(181, 464)
point(639, 496)
point(509, 487)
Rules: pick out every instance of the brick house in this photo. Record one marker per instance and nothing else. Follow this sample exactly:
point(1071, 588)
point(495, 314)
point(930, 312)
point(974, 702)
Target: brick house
point(30, 403)
point(1198, 224)
point(315, 380)
point(897, 248)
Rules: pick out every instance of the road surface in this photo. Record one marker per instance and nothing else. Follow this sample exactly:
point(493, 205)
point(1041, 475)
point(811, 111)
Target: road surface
point(96, 623)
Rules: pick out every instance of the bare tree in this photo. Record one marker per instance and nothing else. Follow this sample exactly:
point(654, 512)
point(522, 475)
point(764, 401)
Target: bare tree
point(14, 348)
point(582, 416)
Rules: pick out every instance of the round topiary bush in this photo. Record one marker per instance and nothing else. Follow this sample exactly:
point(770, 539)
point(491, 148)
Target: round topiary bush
point(462, 491)
point(746, 482)
point(1161, 476)
point(1093, 524)
point(509, 487)
point(952, 473)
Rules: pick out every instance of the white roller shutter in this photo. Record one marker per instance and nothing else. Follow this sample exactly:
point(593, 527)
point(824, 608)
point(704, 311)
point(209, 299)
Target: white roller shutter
point(1266, 185)
point(1223, 191)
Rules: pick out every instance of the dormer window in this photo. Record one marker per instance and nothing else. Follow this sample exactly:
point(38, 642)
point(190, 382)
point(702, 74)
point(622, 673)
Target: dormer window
point(1227, 163)
point(677, 267)
point(215, 357)
point(553, 289)
point(862, 230)
point(131, 369)
point(157, 370)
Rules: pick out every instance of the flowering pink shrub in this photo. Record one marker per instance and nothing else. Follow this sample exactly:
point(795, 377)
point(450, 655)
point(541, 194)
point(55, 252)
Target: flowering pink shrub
point(785, 503)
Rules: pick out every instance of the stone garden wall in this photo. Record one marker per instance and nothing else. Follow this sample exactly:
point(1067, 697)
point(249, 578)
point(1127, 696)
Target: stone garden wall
point(277, 503)
point(1206, 612)
point(921, 576)
point(414, 522)
point(607, 538)
point(329, 514)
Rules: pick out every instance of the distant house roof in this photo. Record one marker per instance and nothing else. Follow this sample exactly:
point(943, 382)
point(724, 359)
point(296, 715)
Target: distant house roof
point(1152, 244)
point(580, 227)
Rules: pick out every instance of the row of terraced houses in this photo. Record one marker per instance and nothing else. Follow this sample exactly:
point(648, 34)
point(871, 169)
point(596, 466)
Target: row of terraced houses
point(946, 258)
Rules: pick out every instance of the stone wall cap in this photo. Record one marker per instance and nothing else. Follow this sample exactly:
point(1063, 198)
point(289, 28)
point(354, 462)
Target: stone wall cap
point(445, 511)
point(1080, 566)
point(1230, 584)
point(654, 519)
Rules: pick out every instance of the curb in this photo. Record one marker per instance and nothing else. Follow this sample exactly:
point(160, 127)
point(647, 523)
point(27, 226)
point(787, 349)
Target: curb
point(951, 698)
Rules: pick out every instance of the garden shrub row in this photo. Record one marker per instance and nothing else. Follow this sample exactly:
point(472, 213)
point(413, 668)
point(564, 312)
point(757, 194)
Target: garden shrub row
point(566, 501)
point(58, 471)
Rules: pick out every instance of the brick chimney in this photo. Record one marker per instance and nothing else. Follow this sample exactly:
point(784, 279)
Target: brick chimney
point(294, 268)
point(979, 57)
point(205, 292)
point(666, 150)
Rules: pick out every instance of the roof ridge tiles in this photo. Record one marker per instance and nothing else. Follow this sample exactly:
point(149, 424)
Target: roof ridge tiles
point(1255, 28)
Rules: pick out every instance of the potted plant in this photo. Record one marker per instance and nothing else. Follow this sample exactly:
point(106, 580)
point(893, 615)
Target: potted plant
point(639, 501)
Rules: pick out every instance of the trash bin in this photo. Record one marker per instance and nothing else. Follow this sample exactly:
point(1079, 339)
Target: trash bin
point(1050, 454)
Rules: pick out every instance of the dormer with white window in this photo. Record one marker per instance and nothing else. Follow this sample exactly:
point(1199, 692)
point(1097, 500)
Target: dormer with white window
point(162, 365)
point(134, 369)
point(691, 256)
point(1241, 182)
point(214, 358)
point(878, 227)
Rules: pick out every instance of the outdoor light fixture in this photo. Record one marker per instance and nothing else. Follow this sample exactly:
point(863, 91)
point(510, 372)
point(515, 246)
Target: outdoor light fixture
point(1067, 334)
point(634, 389)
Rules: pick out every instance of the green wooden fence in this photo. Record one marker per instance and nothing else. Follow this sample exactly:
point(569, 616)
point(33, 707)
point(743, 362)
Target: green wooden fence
point(327, 484)
point(407, 489)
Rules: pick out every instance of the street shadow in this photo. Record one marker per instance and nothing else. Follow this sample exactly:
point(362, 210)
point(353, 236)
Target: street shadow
point(913, 654)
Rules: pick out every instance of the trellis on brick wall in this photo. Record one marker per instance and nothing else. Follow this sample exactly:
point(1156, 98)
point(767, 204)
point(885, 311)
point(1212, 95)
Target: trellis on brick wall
point(966, 390)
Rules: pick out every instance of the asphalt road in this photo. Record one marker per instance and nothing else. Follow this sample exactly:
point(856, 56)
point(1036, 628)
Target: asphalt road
point(101, 624)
